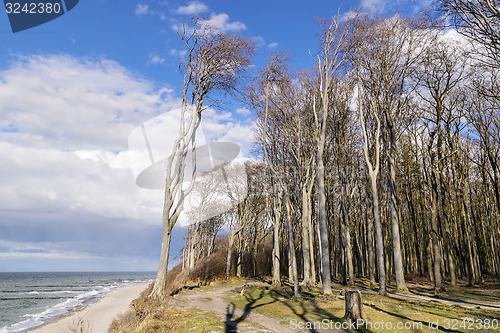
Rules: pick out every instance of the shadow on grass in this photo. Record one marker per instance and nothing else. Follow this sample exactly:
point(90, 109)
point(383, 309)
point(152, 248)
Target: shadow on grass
point(232, 323)
point(474, 303)
point(305, 308)
point(308, 310)
point(425, 323)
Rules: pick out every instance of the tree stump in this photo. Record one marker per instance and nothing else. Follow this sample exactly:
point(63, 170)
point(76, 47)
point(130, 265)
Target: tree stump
point(354, 306)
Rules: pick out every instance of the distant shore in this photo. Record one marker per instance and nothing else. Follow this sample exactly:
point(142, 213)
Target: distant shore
point(98, 316)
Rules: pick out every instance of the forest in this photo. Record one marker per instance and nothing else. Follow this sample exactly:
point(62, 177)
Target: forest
point(382, 161)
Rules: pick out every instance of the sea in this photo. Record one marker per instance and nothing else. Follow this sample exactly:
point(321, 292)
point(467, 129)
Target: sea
point(28, 300)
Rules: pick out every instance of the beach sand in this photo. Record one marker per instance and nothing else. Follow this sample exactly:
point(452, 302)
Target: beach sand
point(97, 316)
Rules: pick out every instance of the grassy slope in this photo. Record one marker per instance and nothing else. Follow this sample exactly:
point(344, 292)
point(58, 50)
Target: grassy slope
point(153, 316)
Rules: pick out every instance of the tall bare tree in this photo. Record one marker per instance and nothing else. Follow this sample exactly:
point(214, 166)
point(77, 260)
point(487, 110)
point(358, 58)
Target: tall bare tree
point(263, 97)
point(214, 62)
point(332, 38)
point(441, 70)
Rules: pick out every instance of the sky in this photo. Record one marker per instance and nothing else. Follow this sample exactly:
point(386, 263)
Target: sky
point(74, 89)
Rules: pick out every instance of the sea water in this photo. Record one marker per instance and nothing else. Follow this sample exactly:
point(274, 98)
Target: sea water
point(28, 300)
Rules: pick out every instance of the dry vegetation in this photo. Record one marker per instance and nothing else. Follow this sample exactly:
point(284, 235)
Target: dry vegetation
point(148, 315)
point(279, 303)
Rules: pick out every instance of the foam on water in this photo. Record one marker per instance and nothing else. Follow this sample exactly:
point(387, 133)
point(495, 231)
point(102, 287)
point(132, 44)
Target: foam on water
point(70, 302)
point(56, 311)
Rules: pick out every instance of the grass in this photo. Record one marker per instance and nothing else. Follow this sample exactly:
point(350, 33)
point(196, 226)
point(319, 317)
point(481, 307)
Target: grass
point(447, 318)
point(151, 316)
point(488, 292)
point(417, 316)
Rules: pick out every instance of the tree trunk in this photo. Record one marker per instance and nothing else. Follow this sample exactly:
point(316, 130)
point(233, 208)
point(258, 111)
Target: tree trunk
point(379, 236)
point(276, 252)
point(193, 244)
point(323, 231)
point(230, 239)
point(311, 242)
point(354, 306)
point(320, 253)
point(342, 256)
point(396, 241)
point(438, 286)
point(347, 232)
point(160, 285)
point(371, 257)
point(428, 251)
point(291, 246)
point(465, 238)
point(239, 256)
point(306, 256)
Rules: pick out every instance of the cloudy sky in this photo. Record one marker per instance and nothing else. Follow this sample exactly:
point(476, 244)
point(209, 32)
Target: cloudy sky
point(74, 89)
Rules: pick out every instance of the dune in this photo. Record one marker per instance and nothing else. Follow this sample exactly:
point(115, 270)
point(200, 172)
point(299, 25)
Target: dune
point(97, 317)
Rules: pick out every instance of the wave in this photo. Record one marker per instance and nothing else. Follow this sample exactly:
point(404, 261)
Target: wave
point(54, 312)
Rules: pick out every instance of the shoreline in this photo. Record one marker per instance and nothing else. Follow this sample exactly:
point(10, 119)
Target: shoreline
point(97, 316)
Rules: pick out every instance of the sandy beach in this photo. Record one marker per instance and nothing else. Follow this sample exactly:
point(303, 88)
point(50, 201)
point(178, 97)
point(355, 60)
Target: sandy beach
point(97, 316)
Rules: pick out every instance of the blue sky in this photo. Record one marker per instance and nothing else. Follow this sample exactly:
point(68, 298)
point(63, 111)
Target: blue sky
point(73, 89)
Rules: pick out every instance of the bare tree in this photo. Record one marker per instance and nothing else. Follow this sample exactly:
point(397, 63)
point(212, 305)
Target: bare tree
point(479, 20)
point(205, 205)
point(264, 98)
point(214, 62)
point(484, 117)
point(440, 71)
point(373, 167)
point(332, 37)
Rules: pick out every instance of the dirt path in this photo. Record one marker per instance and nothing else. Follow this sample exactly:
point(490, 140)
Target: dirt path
point(236, 320)
point(450, 302)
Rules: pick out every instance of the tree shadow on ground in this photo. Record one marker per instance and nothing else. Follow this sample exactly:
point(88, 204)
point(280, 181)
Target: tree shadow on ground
point(232, 324)
point(308, 310)
point(425, 323)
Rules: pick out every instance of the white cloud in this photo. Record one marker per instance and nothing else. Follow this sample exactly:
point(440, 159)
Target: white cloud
point(242, 135)
point(178, 53)
point(64, 127)
point(67, 124)
point(155, 59)
point(192, 8)
point(243, 111)
point(142, 9)
point(259, 41)
point(218, 22)
point(68, 103)
point(385, 6)
point(221, 23)
point(272, 45)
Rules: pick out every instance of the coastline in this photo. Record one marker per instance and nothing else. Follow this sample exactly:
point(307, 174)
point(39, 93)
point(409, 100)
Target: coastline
point(97, 316)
